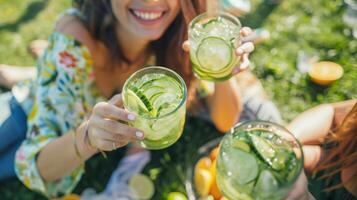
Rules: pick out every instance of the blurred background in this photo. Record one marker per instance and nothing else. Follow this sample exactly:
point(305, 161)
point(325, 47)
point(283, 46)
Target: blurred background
point(300, 33)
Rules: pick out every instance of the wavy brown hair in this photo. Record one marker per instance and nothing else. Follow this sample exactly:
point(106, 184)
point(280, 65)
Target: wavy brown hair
point(101, 23)
point(343, 151)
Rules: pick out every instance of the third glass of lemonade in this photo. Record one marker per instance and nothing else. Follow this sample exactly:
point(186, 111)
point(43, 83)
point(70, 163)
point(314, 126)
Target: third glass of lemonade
point(213, 41)
point(157, 95)
point(258, 160)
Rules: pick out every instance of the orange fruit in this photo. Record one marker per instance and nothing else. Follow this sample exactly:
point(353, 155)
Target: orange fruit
point(324, 73)
point(203, 181)
point(214, 153)
point(204, 163)
point(71, 197)
point(213, 168)
point(214, 191)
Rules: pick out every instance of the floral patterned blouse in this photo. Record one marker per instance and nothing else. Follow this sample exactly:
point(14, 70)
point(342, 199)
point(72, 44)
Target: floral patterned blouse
point(63, 93)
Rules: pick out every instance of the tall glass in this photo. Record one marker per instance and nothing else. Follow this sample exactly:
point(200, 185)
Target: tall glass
point(157, 95)
point(213, 40)
point(258, 160)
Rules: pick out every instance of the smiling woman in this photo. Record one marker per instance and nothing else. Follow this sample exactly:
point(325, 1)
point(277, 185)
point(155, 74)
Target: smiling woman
point(92, 51)
point(76, 105)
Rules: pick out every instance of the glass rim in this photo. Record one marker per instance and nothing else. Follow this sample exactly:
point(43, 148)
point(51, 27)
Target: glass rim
point(181, 81)
point(301, 166)
point(220, 13)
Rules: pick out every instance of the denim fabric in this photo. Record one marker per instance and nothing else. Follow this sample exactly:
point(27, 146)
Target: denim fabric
point(13, 127)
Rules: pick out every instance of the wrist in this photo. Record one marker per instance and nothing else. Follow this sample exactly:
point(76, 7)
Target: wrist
point(224, 83)
point(84, 145)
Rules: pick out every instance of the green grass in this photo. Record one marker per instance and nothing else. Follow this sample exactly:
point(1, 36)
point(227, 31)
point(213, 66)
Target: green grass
point(312, 26)
point(23, 21)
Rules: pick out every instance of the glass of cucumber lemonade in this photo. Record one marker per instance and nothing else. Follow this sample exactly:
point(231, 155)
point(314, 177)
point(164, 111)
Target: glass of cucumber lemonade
point(157, 95)
point(213, 41)
point(258, 160)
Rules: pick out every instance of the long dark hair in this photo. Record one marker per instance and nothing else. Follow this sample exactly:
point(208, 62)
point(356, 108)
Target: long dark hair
point(344, 154)
point(101, 23)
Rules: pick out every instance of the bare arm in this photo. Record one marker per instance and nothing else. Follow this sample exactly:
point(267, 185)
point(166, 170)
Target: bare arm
point(105, 132)
point(312, 125)
point(59, 157)
point(225, 105)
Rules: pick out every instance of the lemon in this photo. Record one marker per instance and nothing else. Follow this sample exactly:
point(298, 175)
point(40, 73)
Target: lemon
point(203, 181)
point(203, 163)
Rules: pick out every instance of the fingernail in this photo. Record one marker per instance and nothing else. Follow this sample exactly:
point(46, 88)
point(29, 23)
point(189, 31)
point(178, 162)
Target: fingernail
point(240, 51)
point(131, 116)
point(139, 134)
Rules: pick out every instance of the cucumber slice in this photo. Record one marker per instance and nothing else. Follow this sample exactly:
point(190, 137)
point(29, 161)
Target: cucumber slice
point(243, 165)
point(266, 185)
point(134, 102)
point(214, 54)
point(265, 150)
point(143, 98)
point(142, 102)
point(241, 145)
point(152, 91)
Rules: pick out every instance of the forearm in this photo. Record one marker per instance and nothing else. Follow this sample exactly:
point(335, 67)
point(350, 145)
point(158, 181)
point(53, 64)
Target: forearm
point(225, 104)
point(312, 125)
point(59, 158)
point(342, 109)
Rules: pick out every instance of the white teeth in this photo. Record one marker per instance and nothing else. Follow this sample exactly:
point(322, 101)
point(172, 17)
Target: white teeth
point(147, 15)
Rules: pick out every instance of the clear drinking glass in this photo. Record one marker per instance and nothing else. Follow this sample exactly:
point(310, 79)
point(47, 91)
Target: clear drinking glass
point(258, 160)
point(213, 40)
point(157, 95)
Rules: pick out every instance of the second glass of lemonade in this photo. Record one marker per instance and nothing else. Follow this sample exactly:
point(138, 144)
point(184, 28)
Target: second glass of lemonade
point(258, 160)
point(213, 41)
point(157, 95)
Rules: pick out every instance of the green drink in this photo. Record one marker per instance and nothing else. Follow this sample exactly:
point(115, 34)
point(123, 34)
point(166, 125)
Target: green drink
point(213, 40)
point(157, 96)
point(258, 160)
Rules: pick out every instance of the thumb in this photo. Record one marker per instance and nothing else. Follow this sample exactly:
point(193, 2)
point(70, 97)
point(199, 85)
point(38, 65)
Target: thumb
point(186, 46)
point(116, 100)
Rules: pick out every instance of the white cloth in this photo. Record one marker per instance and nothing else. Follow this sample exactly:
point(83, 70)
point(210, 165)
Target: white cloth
point(117, 187)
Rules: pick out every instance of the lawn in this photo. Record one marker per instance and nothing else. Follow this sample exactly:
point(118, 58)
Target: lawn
point(312, 26)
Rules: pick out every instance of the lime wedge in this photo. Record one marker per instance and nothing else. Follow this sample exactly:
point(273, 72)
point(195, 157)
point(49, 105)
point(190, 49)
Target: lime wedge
point(214, 54)
point(176, 196)
point(142, 186)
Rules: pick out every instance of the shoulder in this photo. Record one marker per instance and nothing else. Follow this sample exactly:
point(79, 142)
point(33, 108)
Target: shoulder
point(73, 26)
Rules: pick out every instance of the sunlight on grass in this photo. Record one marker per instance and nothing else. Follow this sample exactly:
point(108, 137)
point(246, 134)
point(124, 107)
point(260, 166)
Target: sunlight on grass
point(24, 21)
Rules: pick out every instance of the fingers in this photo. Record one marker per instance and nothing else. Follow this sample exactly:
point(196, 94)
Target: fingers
point(245, 48)
point(106, 145)
point(186, 46)
point(101, 134)
point(114, 127)
point(312, 156)
point(245, 31)
point(245, 63)
point(108, 110)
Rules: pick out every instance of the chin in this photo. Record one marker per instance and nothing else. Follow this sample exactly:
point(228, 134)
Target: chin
point(151, 36)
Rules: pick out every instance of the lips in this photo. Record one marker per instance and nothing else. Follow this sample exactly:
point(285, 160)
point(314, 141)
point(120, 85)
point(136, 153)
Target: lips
point(148, 17)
